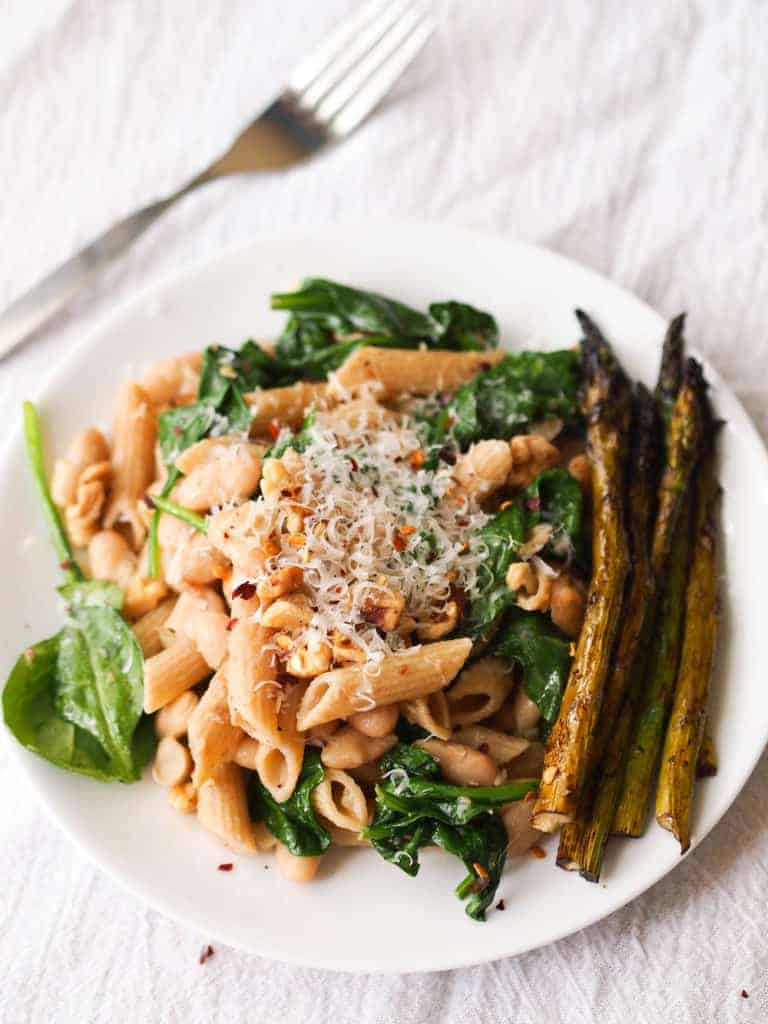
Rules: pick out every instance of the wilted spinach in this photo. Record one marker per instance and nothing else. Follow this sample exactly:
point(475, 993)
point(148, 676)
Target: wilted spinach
point(543, 652)
point(499, 542)
point(415, 808)
point(555, 497)
point(294, 822)
point(523, 388)
point(76, 699)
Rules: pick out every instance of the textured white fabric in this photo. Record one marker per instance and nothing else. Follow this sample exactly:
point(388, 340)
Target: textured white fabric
point(631, 136)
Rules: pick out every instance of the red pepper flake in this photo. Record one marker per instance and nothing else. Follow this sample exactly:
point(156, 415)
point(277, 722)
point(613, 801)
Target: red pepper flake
point(404, 670)
point(178, 431)
point(501, 905)
point(225, 867)
point(538, 853)
point(744, 994)
point(246, 590)
point(534, 504)
point(149, 500)
point(205, 954)
point(483, 748)
point(400, 543)
point(417, 459)
point(66, 564)
point(353, 464)
point(231, 624)
point(29, 655)
point(274, 429)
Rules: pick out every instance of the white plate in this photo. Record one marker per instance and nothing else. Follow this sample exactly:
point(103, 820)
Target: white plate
point(362, 914)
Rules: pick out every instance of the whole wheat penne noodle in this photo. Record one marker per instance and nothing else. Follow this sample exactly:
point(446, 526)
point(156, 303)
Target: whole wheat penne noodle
point(348, 748)
point(246, 753)
point(339, 800)
point(148, 627)
point(295, 869)
point(406, 676)
point(200, 562)
point(212, 737)
point(254, 693)
point(263, 838)
point(342, 837)
point(88, 448)
point(218, 471)
point(431, 713)
point(173, 719)
point(279, 765)
point(379, 722)
point(133, 459)
point(400, 371)
point(461, 764)
point(501, 747)
point(479, 691)
point(171, 672)
point(284, 406)
point(222, 808)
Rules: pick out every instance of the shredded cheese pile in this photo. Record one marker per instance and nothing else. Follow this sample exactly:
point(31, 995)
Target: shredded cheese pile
point(368, 525)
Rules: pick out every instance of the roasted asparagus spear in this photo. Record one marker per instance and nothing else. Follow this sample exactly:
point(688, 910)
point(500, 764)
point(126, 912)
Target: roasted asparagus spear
point(685, 730)
point(606, 406)
point(706, 766)
point(575, 840)
point(684, 441)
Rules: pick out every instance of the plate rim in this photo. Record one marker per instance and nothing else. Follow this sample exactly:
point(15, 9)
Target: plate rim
point(153, 290)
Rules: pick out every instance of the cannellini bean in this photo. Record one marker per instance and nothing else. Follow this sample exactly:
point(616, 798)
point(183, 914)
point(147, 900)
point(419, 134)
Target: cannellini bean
point(484, 468)
point(461, 764)
point(348, 748)
point(295, 869)
point(443, 622)
point(111, 557)
point(580, 469)
point(172, 764)
point(218, 471)
point(173, 381)
point(310, 659)
point(376, 723)
point(172, 720)
point(568, 603)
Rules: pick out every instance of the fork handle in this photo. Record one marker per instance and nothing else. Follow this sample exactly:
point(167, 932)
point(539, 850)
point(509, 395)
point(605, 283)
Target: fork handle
point(57, 290)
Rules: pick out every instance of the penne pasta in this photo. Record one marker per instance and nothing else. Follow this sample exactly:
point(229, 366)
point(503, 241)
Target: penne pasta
point(149, 627)
point(173, 719)
point(501, 747)
point(284, 407)
point(168, 674)
point(348, 748)
point(479, 691)
point(173, 381)
point(212, 737)
point(339, 800)
point(461, 764)
point(415, 371)
point(431, 713)
point(415, 673)
point(279, 765)
point(133, 460)
point(222, 808)
point(254, 693)
point(295, 869)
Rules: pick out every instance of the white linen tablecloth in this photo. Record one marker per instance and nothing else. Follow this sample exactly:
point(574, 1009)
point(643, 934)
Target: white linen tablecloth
point(631, 136)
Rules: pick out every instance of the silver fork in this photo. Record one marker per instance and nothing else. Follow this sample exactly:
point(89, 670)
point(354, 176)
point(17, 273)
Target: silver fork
point(326, 97)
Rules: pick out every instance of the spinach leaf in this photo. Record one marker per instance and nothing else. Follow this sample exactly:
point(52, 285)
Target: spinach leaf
point(101, 681)
point(29, 711)
point(461, 326)
point(414, 808)
point(76, 699)
point(523, 388)
point(499, 541)
point(294, 822)
point(180, 428)
point(342, 310)
point(287, 439)
point(556, 497)
point(543, 652)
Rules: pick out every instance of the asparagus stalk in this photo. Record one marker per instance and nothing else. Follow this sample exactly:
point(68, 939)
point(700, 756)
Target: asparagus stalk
point(706, 766)
point(689, 708)
point(671, 369)
point(575, 839)
point(683, 448)
point(606, 406)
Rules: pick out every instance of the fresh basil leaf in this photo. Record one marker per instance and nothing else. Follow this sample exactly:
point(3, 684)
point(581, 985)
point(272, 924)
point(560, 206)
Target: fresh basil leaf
point(294, 822)
point(543, 652)
point(463, 327)
point(29, 711)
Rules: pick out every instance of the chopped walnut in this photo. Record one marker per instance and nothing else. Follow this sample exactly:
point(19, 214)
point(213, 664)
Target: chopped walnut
point(533, 589)
point(383, 607)
point(83, 516)
point(531, 455)
point(443, 622)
